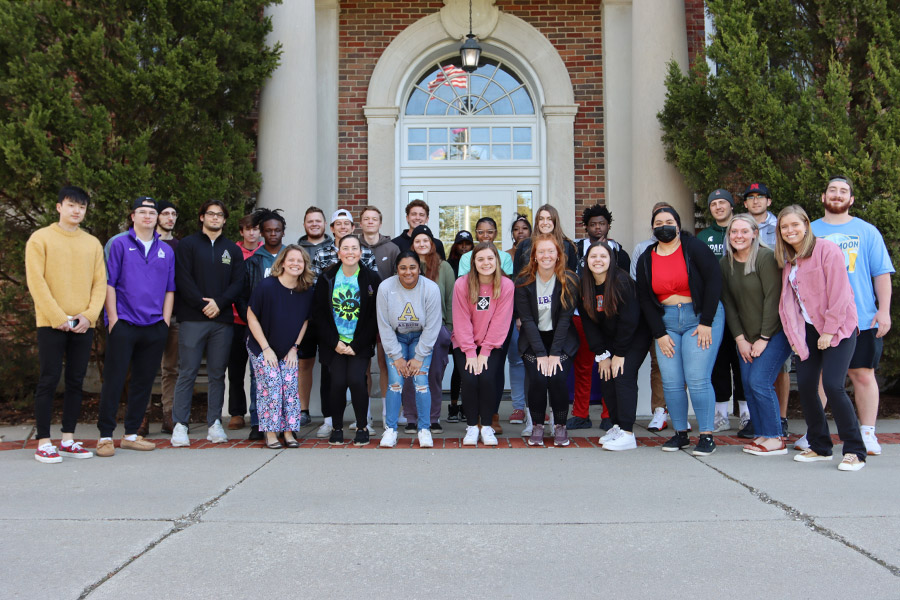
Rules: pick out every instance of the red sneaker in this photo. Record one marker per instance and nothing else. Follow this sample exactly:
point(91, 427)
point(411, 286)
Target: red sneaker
point(517, 417)
point(47, 454)
point(75, 451)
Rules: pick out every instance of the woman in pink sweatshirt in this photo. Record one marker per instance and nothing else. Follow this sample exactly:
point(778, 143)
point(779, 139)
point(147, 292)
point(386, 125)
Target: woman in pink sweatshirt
point(819, 318)
point(482, 312)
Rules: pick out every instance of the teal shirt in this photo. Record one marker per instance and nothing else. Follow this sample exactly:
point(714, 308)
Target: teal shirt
point(345, 304)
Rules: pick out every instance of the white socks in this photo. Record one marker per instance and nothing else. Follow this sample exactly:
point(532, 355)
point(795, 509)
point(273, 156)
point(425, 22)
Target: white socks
point(722, 409)
point(131, 438)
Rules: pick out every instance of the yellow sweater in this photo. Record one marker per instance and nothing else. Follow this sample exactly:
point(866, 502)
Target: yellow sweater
point(66, 275)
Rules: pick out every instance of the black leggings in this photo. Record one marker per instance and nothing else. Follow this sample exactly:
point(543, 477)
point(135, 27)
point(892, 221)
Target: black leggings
point(478, 391)
point(540, 385)
point(500, 374)
point(621, 393)
point(348, 372)
point(832, 364)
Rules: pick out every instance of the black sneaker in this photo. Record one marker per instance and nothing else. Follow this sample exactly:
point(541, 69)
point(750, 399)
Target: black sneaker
point(677, 442)
point(579, 423)
point(705, 446)
point(255, 434)
point(606, 424)
point(361, 439)
point(411, 427)
point(436, 428)
point(337, 437)
point(784, 427)
point(462, 414)
point(453, 413)
point(746, 432)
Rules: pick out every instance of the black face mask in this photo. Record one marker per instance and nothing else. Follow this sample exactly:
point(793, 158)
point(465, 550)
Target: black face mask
point(665, 233)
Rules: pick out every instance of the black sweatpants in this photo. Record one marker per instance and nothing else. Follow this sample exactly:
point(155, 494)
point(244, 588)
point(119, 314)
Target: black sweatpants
point(479, 391)
point(621, 393)
point(54, 346)
point(141, 348)
point(237, 368)
point(348, 372)
point(832, 364)
point(500, 374)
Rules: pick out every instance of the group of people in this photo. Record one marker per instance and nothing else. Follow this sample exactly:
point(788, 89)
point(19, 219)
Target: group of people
point(719, 314)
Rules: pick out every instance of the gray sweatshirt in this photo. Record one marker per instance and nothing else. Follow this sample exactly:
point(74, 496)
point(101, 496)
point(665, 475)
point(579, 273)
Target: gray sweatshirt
point(401, 311)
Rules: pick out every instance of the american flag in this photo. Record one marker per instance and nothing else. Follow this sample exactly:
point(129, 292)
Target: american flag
point(449, 75)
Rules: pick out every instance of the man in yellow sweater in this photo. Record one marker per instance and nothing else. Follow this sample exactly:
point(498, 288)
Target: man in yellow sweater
point(66, 277)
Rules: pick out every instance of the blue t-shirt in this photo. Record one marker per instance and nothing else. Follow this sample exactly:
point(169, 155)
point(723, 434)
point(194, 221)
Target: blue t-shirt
point(345, 304)
point(281, 313)
point(865, 257)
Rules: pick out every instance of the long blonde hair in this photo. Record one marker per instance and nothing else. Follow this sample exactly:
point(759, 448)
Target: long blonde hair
point(750, 265)
point(565, 277)
point(306, 279)
point(784, 252)
point(472, 278)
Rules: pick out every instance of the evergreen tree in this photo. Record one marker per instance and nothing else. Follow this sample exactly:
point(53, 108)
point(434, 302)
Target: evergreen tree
point(801, 90)
point(122, 98)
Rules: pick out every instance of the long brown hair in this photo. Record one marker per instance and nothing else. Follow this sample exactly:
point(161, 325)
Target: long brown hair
point(784, 252)
point(472, 279)
point(431, 261)
point(616, 279)
point(306, 279)
point(563, 275)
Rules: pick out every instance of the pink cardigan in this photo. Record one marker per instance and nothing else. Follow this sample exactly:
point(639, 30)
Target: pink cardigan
point(487, 327)
point(825, 289)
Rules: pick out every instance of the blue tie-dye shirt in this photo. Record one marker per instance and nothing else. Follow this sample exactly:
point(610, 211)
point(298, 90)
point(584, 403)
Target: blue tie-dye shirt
point(345, 304)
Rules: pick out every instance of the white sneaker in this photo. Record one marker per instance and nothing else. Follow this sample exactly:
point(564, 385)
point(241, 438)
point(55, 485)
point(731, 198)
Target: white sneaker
point(353, 426)
point(388, 438)
point(425, 440)
point(612, 434)
point(658, 422)
point(402, 420)
point(873, 448)
point(180, 436)
point(623, 441)
point(529, 425)
point(487, 436)
point(324, 430)
point(721, 424)
point(801, 444)
point(216, 434)
point(471, 438)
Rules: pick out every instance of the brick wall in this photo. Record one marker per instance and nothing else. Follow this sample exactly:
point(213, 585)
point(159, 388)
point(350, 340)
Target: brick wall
point(695, 21)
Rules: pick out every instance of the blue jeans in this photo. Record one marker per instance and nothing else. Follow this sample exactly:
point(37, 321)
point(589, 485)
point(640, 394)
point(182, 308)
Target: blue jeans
point(758, 378)
point(516, 371)
point(691, 365)
point(393, 400)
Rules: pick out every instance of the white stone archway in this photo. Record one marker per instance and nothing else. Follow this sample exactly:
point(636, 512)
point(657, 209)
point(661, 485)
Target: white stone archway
point(554, 100)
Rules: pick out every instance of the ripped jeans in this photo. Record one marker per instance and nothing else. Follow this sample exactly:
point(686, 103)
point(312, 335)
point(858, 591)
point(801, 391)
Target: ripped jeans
point(408, 342)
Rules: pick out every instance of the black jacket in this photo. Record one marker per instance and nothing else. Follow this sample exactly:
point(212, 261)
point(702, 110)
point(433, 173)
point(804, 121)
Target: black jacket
point(620, 333)
point(523, 254)
point(704, 280)
point(620, 257)
point(404, 242)
point(565, 337)
point(363, 343)
point(205, 269)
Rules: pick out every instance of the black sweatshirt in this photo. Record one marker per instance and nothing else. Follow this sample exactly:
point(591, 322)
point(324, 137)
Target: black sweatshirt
point(207, 269)
point(619, 333)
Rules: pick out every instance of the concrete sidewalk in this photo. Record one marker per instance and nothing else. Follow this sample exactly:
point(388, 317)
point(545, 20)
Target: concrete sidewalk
point(571, 522)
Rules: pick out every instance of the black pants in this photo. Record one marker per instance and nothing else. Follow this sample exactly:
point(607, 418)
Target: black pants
point(832, 364)
point(479, 391)
point(142, 349)
point(539, 386)
point(500, 375)
point(53, 346)
point(621, 393)
point(348, 372)
point(237, 368)
point(455, 382)
point(727, 364)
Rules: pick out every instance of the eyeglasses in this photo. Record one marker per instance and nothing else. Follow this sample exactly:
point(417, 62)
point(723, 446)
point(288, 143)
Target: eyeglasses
point(217, 215)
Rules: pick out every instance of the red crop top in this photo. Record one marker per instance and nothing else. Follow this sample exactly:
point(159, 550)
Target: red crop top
point(670, 276)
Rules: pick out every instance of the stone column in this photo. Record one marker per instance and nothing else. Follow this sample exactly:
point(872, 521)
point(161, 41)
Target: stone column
point(382, 121)
point(288, 122)
point(628, 228)
point(560, 128)
point(659, 35)
point(326, 198)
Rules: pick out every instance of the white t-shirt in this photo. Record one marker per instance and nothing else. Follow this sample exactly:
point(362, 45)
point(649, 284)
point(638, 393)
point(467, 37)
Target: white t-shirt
point(545, 302)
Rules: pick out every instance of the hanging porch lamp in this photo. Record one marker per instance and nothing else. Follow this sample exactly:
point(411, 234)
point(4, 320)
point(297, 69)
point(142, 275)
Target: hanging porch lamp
point(470, 51)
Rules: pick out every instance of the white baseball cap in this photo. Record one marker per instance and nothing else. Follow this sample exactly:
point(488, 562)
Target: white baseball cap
point(342, 213)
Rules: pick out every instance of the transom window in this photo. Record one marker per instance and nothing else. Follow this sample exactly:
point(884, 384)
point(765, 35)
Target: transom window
point(492, 89)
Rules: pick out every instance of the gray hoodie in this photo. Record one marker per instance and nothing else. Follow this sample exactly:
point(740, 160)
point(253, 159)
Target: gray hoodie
point(385, 252)
point(401, 310)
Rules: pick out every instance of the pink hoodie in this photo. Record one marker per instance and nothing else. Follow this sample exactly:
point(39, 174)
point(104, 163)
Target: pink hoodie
point(826, 293)
point(484, 325)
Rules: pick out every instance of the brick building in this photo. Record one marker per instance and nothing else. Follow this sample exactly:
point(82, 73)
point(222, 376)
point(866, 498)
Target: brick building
point(369, 106)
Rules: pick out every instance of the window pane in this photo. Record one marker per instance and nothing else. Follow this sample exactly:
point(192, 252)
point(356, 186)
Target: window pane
point(452, 219)
point(522, 134)
point(416, 135)
point(523, 204)
point(502, 107)
point(415, 196)
point(500, 152)
point(458, 152)
point(436, 107)
point(437, 152)
point(479, 152)
point(436, 134)
point(522, 102)
point(477, 85)
point(416, 153)
point(501, 134)
point(480, 135)
point(493, 92)
point(522, 151)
